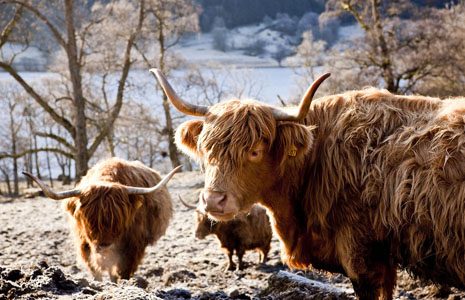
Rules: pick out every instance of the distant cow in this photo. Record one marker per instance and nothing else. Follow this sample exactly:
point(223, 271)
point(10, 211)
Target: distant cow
point(360, 183)
point(247, 231)
point(116, 210)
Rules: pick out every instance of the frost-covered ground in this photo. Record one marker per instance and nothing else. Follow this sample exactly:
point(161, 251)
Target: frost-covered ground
point(37, 260)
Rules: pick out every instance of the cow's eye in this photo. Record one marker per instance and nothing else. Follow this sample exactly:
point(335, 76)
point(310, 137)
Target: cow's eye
point(255, 155)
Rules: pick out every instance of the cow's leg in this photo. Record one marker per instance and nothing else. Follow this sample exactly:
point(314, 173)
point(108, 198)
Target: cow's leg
point(389, 282)
point(240, 254)
point(114, 276)
point(264, 253)
point(85, 251)
point(379, 277)
point(364, 289)
point(379, 285)
point(231, 265)
point(129, 258)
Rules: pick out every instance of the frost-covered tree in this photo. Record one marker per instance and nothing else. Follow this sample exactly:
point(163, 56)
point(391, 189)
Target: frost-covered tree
point(396, 47)
point(310, 54)
point(166, 22)
point(80, 39)
point(449, 79)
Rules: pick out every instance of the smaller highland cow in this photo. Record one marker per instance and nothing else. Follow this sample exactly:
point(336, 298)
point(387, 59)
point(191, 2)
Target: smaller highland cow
point(247, 231)
point(116, 210)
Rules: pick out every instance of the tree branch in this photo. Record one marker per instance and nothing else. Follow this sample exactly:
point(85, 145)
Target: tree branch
point(57, 138)
point(10, 26)
point(120, 93)
point(41, 17)
point(347, 6)
point(4, 155)
point(55, 116)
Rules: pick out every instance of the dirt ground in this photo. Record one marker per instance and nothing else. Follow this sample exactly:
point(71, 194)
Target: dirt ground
point(37, 260)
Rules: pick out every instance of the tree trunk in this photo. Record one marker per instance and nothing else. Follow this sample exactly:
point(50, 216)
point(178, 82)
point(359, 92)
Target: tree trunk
point(28, 167)
point(47, 156)
point(386, 63)
point(111, 144)
point(36, 158)
point(173, 151)
point(80, 139)
point(15, 177)
point(7, 180)
point(14, 136)
point(69, 163)
point(151, 155)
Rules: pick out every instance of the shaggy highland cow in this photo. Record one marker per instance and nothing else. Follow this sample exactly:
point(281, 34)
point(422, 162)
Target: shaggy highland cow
point(361, 183)
point(116, 210)
point(247, 231)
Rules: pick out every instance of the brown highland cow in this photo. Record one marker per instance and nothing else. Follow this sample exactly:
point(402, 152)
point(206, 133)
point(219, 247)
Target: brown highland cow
point(361, 183)
point(116, 210)
point(247, 231)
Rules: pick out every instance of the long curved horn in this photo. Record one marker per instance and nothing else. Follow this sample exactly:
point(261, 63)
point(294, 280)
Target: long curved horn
point(50, 193)
point(187, 204)
point(132, 190)
point(299, 112)
point(183, 106)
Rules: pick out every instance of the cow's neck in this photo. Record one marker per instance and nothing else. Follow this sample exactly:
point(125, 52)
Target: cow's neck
point(296, 220)
point(289, 215)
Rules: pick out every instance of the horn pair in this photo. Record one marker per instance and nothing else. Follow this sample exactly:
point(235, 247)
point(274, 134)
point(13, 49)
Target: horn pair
point(131, 190)
point(281, 114)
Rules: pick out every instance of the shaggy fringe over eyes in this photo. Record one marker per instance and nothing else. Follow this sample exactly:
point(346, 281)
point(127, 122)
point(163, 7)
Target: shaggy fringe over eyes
point(104, 207)
point(233, 129)
point(106, 211)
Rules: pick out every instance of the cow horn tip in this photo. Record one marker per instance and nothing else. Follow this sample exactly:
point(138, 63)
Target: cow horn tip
point(27, 174)
point(155, 71)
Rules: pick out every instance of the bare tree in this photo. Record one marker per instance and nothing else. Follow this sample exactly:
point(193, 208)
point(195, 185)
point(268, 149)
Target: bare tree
point(11, 102)
point(74, 35)
point(216, 83)
point(394, 49)
point(310, 54)
point(167, 22)
point(138, 134)
point(5, 170)
point(281, 53)
point(449, 80)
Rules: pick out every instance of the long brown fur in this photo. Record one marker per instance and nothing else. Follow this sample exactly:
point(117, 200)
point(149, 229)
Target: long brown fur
point(377, 183)
point(247, 231)
point(113, 228)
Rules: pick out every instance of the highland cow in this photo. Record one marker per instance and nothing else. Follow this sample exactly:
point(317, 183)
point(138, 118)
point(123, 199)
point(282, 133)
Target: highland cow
point(247, 231)
point(361, 183)
point(116, 210)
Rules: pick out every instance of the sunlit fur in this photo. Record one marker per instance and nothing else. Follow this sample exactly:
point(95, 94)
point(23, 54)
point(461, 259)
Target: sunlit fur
point(105, 215)
point(247, 231)
point(378, 182)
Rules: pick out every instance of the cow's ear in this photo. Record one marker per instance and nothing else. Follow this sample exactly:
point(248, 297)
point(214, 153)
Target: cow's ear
point(293, 141)
point(72, 204)
point(187, 135)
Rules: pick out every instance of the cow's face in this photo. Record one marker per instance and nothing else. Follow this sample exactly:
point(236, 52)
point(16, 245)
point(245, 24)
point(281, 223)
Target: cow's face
point(205, 225)
point(102, 214)
point(243, 151)
point(244, 146)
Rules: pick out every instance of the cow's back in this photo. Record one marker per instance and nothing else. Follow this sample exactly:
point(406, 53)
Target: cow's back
point(395, 165)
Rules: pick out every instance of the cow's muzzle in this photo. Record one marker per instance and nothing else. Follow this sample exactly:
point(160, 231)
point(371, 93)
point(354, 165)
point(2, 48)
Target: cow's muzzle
point(213, 202)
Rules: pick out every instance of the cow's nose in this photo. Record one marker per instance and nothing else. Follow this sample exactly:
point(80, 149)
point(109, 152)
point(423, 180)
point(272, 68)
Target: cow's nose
point(214, 201)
